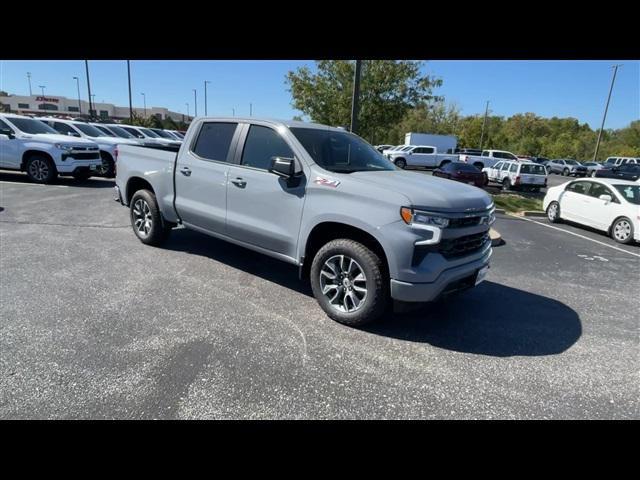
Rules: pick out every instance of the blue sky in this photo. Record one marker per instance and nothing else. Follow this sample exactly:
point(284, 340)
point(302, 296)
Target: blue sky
point(548, 88)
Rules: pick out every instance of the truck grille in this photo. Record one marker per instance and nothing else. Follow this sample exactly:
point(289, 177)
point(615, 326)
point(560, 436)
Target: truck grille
point(461, 246)
point(464, 222)
point(85, 156)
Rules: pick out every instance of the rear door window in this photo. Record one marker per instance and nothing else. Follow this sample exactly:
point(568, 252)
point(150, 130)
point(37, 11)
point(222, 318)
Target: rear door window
point(214, 140)
point(514, 168)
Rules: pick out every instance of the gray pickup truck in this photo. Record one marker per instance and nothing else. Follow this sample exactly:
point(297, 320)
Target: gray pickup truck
point(321, 198)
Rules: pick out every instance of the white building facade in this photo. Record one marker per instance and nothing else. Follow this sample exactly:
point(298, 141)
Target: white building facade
point(50, 105)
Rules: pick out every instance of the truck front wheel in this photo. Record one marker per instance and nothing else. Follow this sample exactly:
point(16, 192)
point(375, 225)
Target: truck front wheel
point(146, 219)
point(349, 283)
point(41, 169)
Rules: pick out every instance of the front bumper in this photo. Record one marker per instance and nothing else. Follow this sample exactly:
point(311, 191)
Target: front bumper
point(454, 279)
point(76, 165)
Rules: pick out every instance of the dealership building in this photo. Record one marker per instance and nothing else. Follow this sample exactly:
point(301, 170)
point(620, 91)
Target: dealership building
point(53, 105)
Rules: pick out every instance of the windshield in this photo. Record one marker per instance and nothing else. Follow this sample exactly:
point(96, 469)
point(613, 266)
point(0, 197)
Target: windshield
point(134, 132)
point(105, 131)
point(408, 147)
point(571, 162)
point(533, 169)
point(631, 193)
point(88, 130)
point(120, 132)
point(150, 133)
point(163, 134)
point(341, 152)
point(29, 125)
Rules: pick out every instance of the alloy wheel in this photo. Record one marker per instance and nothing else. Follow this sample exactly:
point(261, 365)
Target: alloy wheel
point(39, 169)
point(142, 219)
point(343, 282)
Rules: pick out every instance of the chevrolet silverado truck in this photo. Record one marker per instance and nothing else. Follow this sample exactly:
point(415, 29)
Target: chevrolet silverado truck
point(31, 146)
point(361, 230)
point(425, 156)
point(488, 158)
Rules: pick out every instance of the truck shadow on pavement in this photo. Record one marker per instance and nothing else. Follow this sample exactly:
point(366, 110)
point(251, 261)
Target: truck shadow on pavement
point(93, 182)
point(491, 319)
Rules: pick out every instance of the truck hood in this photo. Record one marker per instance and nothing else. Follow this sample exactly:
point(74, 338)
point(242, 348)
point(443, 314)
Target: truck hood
point(114, 141)
point(427, 192)
point(66, 139)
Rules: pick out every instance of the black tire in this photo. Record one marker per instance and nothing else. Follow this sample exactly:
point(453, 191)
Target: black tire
point(565, 172)
point(553, 212)
point(506, 185)
point(376, 300)
point(108, 165)
point(40, 169)
point(158, 230)
point(617, 229)
point(593, 173)
point(401, 163)
point(486, 178)
point(82, 175)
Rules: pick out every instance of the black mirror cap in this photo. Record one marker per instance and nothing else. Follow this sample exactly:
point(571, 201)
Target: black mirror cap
point(283, 167)
point(7, 132)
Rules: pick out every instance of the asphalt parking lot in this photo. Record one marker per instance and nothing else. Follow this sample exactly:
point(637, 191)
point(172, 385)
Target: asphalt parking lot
point(97, 325)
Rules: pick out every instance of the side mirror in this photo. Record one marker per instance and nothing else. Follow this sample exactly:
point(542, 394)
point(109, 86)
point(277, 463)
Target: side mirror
point(8, 132)
point(606, 198)
point(283, 167)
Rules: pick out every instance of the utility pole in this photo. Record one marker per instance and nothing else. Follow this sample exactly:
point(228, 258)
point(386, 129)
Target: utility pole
point(355, 99)
point(78, 85)
point(130, 101)
point(144, 99)
point(234, 111)
point(91, 110)
point(205, 97)
point(486, 111)
point(29, 79)
point(250, 109)
point(604, 117)
point(195, 102)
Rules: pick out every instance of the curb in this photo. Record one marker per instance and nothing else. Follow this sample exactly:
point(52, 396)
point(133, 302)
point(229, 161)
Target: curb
point(534, 213)
point(496, 238)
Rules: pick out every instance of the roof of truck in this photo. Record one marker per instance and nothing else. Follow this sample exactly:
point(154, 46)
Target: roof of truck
point(277, 121)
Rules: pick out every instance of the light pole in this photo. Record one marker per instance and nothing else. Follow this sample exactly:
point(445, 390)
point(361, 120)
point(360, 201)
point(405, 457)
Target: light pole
point(604, 117)
point(130, 101)
point(42, 87)
point(486, 111)
point(195, 102)
point(234, 111)
point(205, 97)
point(29, 80)
point(251, 109)
point(78, 85)
point(91, 109)
point(355, 99)
point(144, 99)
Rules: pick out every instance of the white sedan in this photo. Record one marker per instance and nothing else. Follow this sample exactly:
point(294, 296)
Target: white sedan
point(605, 204)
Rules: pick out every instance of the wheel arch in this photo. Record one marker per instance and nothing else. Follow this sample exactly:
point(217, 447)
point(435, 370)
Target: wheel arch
point(326, 231)
point(30, 153)
point(620, 217)
point(133, 185)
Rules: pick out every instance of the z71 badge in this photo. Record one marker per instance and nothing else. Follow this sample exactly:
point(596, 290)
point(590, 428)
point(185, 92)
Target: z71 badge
point(326, 182)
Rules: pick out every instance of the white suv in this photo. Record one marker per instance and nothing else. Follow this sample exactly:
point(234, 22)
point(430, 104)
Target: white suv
point(108, 145)
point(32, 146)
point(521, 175)
point(617, 161)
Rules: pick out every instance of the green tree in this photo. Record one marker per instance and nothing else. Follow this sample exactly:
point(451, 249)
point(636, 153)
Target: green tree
point(388, 91)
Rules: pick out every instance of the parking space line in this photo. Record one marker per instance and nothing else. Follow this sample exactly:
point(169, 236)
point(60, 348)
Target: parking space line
point(581, 236)
point(34, 184)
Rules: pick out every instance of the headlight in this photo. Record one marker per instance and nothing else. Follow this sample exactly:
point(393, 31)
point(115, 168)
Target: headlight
point(65, 147)
point(421, 218)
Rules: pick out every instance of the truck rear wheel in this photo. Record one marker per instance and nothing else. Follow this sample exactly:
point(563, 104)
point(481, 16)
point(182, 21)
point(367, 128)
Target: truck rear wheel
point(401, 163)
point(146, 219)
point(349, 283)
point(41, 169)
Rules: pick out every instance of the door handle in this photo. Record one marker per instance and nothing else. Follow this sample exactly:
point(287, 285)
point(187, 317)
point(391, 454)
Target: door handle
point(239, 182)
point(186, 171)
